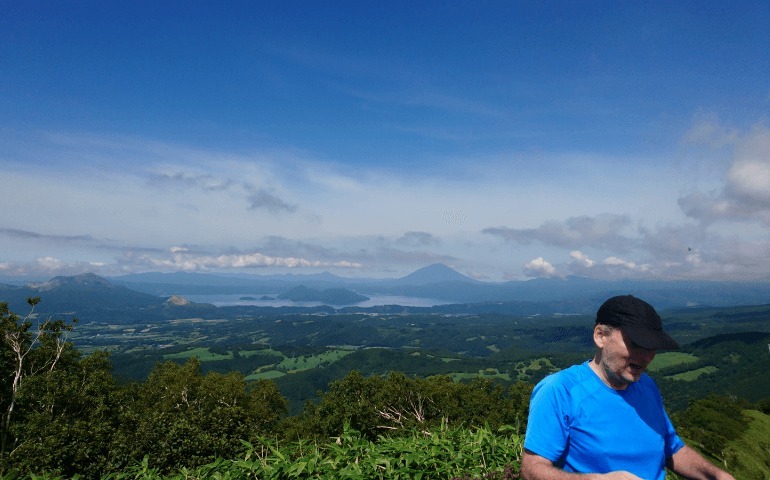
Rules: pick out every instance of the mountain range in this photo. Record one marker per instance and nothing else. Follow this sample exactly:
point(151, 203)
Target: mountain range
point(89, 295)
point(440, 282)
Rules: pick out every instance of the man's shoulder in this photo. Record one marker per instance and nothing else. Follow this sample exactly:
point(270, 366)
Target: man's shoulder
point(567, 379)
point(567, 392)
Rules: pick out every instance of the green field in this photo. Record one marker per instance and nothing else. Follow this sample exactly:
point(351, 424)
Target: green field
point(693, 374)
point(203, 354)
point(670, 359)
point(296, 364)
point(488, 373)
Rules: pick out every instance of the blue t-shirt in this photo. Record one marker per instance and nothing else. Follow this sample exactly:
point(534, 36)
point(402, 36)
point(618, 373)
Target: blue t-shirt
point(584, 426)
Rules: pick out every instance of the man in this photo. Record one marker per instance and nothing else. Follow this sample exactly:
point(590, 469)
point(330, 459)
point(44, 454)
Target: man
point(605, 419)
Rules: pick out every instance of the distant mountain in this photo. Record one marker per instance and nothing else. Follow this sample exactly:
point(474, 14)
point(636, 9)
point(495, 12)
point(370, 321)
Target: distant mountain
point(134, 296)
point(186, 283)
point(331, 296)
point(85, 295)
point(89, 280)
point(436, 273)
point(440, 282)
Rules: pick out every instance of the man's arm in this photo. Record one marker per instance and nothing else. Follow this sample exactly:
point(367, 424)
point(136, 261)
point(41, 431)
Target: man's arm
point(690, 464)
point(535, 467)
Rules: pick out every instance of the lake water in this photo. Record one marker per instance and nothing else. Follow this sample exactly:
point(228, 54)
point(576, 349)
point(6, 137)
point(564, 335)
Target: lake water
point(254, 299)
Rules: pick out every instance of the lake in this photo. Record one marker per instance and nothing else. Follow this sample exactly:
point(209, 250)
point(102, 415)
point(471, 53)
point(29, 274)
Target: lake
point(255, 300)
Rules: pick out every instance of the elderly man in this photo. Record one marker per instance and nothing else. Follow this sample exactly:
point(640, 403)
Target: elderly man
point(605, 419)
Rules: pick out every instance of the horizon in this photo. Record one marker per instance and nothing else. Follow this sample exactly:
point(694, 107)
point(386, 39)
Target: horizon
point(506, 140)
point(21, 281)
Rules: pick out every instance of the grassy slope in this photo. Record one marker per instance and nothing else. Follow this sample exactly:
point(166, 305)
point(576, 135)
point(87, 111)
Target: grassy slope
point(668, 359)
point(749, 456)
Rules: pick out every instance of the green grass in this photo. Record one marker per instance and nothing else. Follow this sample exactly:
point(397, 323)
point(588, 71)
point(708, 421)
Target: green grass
point(283, 365)
point(289, 365)
point(203, 354)
point(266, 375)
point(748, 457)
point(669, 359)
point(439, 454)
point(296, 364)
point(534, 364)
point(693, 375)
point(488, 373)
point(262, 351)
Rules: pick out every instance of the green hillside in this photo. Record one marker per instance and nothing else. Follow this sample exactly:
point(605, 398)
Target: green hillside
point(749, 455)
point(293, 385)
point(729, 364)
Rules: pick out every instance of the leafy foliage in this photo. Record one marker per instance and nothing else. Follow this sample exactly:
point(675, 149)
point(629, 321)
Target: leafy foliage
point(396, 403)
point(180, 417)
point(65, 416)
point(29, 347)
point(440, 453)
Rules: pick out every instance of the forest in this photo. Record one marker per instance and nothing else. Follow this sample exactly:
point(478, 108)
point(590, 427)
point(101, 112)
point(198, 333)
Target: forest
point(198, 412)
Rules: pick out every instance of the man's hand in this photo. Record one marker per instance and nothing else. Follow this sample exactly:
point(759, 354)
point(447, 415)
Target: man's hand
point(620, 476)
point(689, 463)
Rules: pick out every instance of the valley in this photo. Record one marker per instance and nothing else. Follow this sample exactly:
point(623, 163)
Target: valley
point(506, 332)
point(302, 353)
point(316, 366)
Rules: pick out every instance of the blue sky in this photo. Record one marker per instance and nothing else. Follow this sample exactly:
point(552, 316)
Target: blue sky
point(508, 140)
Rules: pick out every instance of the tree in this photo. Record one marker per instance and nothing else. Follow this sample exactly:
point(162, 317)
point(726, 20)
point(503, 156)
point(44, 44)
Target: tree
point(351, 400)
point(29, 347)
point(66, 420)
point(180, 418)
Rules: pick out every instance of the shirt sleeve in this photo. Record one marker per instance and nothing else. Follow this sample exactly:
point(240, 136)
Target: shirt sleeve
point(548, 423)
point(673, 442)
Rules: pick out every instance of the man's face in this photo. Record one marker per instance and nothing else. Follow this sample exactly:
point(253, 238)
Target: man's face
point(622, 361)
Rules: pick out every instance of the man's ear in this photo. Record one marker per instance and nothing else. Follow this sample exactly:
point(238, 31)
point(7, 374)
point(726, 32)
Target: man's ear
point(600, 335)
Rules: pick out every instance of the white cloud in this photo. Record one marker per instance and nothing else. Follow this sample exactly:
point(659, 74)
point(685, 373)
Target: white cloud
point(50, 263)
point(179, 208)
point(539, 267)
point(582, 259)
point(619, 262)
point(745, 191)
point(190, 262)
point(49, 266)
point(748, 179)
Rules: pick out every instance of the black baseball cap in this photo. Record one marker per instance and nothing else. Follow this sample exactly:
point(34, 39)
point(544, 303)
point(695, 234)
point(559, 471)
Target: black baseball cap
point(640, 322)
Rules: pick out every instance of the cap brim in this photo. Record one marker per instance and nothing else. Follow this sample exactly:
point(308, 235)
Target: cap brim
point(650, 339)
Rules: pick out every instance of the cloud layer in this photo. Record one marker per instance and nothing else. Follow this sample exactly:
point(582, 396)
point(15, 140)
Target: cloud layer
point(185, 209)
